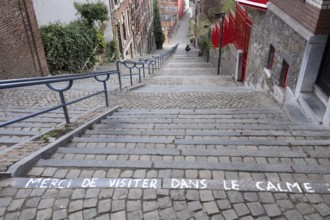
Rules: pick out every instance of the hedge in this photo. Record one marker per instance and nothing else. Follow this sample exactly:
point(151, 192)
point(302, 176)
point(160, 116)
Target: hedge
point(70, 48)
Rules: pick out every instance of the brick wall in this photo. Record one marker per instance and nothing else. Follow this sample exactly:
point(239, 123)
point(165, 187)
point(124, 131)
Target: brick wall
point(312, 16)
point(22, 53)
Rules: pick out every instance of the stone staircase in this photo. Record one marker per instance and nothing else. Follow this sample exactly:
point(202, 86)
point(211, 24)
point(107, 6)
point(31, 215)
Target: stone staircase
point(250, 143)
point(254, 141)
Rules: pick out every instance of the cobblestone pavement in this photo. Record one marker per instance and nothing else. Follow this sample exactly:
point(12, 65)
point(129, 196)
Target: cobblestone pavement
point(188, 144)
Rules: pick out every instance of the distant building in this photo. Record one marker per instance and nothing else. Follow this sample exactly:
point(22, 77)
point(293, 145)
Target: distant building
point(170, 11)
point(289, 54)
point(133, 26)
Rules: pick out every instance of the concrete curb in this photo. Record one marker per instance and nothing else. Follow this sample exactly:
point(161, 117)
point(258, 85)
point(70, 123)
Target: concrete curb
point(22, 166)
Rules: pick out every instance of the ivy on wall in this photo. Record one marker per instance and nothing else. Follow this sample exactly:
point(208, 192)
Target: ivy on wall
point(158, 31)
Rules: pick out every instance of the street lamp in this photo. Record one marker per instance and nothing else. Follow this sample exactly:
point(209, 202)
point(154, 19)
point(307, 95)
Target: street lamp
point(220, 15)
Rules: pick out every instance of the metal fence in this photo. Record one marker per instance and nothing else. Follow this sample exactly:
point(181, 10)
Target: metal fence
point(101, 77)
point(236, 30)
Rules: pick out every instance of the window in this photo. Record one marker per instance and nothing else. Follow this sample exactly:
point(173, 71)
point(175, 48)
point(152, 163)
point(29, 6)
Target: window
point(271, 56)
point(284, 73)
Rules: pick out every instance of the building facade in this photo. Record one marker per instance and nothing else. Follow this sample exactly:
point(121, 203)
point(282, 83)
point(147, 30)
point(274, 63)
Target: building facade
point(170, 11)
point(133, 26)
point(289, 54)
point(22, 53)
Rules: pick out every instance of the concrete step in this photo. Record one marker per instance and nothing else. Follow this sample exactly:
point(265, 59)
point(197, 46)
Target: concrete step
point(185, 71)
point(207, 133)
point(187, 165)
point(180, 65)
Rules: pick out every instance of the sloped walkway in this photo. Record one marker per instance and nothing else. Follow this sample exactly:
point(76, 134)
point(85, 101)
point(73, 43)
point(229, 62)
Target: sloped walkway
point(188, 144)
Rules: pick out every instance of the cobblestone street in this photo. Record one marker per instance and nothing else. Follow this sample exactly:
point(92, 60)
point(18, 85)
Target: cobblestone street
point(184, 144)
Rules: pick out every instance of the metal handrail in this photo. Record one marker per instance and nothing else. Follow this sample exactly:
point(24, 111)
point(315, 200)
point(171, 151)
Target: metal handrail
point(155, 62)
point(131, 65)
point(48, 81)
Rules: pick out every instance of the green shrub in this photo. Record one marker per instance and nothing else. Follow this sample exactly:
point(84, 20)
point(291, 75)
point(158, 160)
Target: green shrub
point(111, 51)
point(91, 12)
point(158, 31)
point(71, 47)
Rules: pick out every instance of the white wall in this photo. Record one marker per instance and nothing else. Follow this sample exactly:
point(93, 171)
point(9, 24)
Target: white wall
point(63, 11)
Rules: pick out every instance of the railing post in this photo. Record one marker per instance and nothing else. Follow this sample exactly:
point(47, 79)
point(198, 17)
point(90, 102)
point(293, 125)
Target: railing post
point(106, 93)
point(65, 110)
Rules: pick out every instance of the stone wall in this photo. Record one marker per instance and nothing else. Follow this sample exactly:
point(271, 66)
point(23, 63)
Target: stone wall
point(22, 53)
point(268, 29)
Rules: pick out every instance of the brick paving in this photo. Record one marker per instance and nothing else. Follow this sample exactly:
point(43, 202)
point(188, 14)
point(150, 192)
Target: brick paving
point(187, 145)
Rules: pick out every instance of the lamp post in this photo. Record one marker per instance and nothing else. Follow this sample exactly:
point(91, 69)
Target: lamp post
point(220, 15)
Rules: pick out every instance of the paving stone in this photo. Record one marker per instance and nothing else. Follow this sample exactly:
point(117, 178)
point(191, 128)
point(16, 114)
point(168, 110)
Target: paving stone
point(251, 197)
point(219, 194)
point(90, 203)
point(194, 206)
point(266, 197)
point(178, 194)
point(294, 215)
point(8, 192)
point(78, 194)
point(163, 192)
point(179, 205)
point(224, 204)
point(4, 202)
point(149, 206)
point(235, 197)
point(315, 216)
point(45, 214)
point(120, 194)
point(118, 215)
point(59, 214)
point(151, 215)
point(230, 214)
point(76, 205)
point(168, 213)
point(46, 203)
point(201, 215)
point(192, 195)
point(106, 193)
point(133, 205)
point(284, 204)
point(64, 193)
point(118, 205)
point(272, 210)
point(32, 203)
point(217, 217)
point(92, 193)
point(137, 215)
point(135, 193)
point(241, 209)
point(183, 214)
point(211, 208)
point(191, 174)
point(323, 209)
point(149, 194)
point(103, 217)
point(305, 208)
point(12, 216)
point(89, 213)
point(206, 195)
point(314, 198)
point(104, 206)
point(23, 193)
point(152, 174)
point(256, 208)
point(15, 205)
point(139, 174)
point(28, 214)
point(61, 203)
point(164, 202)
